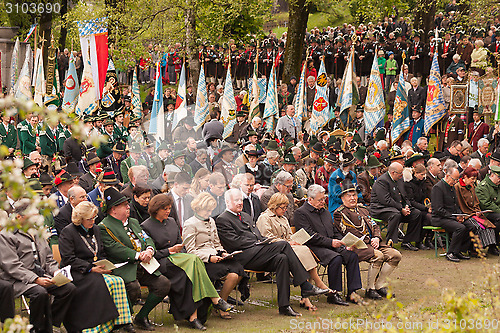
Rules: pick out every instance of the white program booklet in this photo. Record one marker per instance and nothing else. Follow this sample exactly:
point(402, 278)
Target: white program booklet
point(352, 241)
point(108, 265)
point(301, 236)
point(152, 266)
point(62, 276)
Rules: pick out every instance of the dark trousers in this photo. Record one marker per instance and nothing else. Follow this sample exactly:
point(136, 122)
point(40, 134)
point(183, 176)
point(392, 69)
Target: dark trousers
point(495, 219)
point(43, 314)
point(158, 285)
point(279, 257)
point(351, 262)
point(460, 239)
point(414, 220)
point(7, 306)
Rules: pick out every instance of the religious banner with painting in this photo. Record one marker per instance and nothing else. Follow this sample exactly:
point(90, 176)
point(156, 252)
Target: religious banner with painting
point(459, 98)
point(487, 103)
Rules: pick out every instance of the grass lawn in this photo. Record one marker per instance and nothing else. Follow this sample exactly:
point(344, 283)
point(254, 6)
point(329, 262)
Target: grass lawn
point(418, 281)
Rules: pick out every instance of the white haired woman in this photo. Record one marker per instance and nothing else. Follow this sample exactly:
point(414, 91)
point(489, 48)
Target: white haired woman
point(201, 238)
point(100, 303)
point(479, 57)
point(273, 225)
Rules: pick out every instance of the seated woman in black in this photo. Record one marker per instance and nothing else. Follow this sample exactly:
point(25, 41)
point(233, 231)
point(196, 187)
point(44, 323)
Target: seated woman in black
point(187, 300)
point(139, 203)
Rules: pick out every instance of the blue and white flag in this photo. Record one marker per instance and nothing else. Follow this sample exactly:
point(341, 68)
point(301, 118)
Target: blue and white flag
point(228, 106)
point(201, 109)
point(401, 114)
point(321, 109)
point(71, 87)
point(349, 94)
point(180, 111)
point(301, 101)
point(23, 84)
point(262, 84)
point(435, 107)
point(374, 104)
point(136, 95)
point(14, 67)
point(157, 122)
point(32, 29)
point(271, 108)
point(39, 79)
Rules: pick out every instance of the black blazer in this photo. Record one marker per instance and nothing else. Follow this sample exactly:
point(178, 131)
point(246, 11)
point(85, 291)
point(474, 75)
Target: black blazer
point(444, 201)
point(238, 235)
point(164, 234)
point(195, 166)
point(88, 182)
point(320, 224)
point(62, 219)
point(388, 195)
point(188, 212)
point(416, 97)
point(72, 150)
point(257, 209)
point(416, 191)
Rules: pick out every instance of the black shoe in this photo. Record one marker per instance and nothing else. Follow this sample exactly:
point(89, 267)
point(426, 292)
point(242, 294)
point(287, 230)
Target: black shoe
point(143, 324)
point(288, 311)
point(372, 294)
point(383, 292)
point(428, 242)
point(493, 250)
point(266, 278)
point(335, 298)
point(421, 246)
point(452, 257)
point(314, 291)
point(408, 246)
point(196, 324)
point(244, 289)
point(462, 256)
point(223, 306)
point(129, 328)
point(233, 301)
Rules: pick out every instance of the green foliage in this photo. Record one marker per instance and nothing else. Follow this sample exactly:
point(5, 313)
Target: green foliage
point(365, 11)
point(15, 325)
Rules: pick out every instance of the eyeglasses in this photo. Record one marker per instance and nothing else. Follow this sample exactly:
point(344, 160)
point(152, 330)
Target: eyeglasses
point(283, 206)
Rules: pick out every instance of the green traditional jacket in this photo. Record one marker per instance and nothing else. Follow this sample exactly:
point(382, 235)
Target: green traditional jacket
point(120, 133)
point(106, 148)
point(8, 137)
point(49, 141)
point(488, 195)
point(119, 247)
point(127, 164)
point(64, 134)
point(27, 137)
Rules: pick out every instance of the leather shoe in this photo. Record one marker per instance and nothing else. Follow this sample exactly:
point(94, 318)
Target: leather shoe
point(143, 324)
point(223, 306)
point(233, 301)
point(422, 246)
point(409, 246)
point(493, 250)
point(372, 294)
point(335, 298)
point(452, 257)
point(314, 291)
point(383, 292)
point(462, 256)
point(288, 311)
point(196, 324)
point(128, 328)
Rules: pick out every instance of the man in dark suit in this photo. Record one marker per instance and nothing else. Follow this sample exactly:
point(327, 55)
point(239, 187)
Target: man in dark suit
point(200, 161)
point(89, 180)
point(7, 305)
point(217, 187)
point(416, 95)
point(433, 175)
point(451, 128)
point(314, 218)
point(453, 152)
point(237, 231)
point(251, 202)
point(76, 194)
point(390, 203)
point(444, 204)
point(181, 208)
point(482, 150)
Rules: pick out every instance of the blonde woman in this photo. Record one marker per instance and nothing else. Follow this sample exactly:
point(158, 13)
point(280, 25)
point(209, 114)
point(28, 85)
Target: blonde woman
point(100, 296)
point(479, 57)
point(200, 182)
point(201, 238)
point(273, 225)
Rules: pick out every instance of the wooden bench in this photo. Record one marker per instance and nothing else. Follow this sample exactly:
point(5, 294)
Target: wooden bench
point(437, 231)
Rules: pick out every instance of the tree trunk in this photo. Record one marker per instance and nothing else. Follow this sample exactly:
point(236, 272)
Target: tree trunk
point(191, 47)
point(298, 15)
point(64, 30)
point(424, 17)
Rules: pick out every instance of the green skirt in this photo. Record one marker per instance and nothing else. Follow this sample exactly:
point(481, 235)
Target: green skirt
point(195, 270)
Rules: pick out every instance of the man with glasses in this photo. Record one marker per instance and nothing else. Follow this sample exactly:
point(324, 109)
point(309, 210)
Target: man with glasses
point(390, 203)
point(444, 209)
point(283, 183)
point(200, 161)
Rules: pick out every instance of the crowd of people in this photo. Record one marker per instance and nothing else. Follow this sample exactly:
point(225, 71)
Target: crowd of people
point(189, 217)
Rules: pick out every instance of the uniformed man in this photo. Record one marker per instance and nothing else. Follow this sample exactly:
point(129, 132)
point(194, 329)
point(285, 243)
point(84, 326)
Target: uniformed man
point(134, 159)
point(28, 135)
point(352, 217)
point(120, 132)
point(8, 134)
point(324, 172)
point(106, 148)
